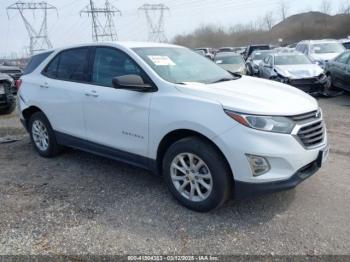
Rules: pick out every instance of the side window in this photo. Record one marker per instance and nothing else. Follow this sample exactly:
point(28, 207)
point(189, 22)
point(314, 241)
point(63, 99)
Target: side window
point(35, 61)
point(266, 60)
point(343, 59)
point(51, 69)
point(109, 63)
point(73, 65)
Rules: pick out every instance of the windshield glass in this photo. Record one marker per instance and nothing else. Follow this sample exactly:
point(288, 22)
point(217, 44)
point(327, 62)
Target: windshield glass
point(327, 48)
point(179, 65)
point(260, 55)
point(292, 60)
point(229, 60)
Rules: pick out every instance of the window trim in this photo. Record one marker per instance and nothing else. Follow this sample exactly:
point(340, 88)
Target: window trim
point(59, 60)
point(91, 58)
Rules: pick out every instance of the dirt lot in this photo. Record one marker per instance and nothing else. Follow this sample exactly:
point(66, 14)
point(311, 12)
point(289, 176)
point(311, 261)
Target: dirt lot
point(79, 203)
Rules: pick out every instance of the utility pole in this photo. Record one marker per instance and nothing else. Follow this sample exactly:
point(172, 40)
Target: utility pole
point(39, 40)
point(102, 30)
point(155, 18)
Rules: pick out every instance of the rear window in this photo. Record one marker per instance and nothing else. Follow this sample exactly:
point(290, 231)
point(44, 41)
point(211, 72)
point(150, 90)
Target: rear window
point(35, 61)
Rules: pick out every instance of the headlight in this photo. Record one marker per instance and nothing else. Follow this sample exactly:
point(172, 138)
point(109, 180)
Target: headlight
point(277, 124)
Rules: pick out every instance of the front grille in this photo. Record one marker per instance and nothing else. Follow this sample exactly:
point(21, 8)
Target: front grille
point(307, 116)
point(312, 135)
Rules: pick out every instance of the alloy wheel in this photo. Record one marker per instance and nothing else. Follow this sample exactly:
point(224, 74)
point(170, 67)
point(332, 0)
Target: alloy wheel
point(191, 177)
point(40, 135)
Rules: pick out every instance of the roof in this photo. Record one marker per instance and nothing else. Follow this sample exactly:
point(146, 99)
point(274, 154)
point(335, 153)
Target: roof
point(320, 41)
point(127, 44)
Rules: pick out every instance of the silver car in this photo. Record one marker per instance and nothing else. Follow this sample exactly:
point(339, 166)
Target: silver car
point(231, 62)
point(294, 69)
point(320, 51)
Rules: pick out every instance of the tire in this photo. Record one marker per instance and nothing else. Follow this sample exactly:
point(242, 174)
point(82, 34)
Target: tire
point(250, 70)
point(218, 187)
point(8, 110)
point(40, 127)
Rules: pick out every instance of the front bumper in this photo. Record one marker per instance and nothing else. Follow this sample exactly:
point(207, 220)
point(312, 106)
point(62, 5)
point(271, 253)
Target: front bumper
point(308, 85)
point(246, 190)
point(286, 155)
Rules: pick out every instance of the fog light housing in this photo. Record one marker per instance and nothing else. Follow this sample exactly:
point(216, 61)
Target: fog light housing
point(258, 164)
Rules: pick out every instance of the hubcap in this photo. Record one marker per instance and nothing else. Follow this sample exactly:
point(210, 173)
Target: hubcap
point(329, 82)
point(40, 135)
point(191, 177)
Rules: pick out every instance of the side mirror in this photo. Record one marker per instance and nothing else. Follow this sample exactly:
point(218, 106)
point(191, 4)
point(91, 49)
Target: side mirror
point(131, 82)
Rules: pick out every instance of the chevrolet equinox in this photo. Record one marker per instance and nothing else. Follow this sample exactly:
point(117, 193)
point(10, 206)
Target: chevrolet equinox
point(211, 134)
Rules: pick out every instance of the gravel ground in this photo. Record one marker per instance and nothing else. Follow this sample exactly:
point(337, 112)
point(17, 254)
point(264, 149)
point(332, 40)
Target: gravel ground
point(78, 203)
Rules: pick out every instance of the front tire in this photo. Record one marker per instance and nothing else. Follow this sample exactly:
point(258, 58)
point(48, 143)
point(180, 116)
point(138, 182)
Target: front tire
point(196, 174)
point(42, 136)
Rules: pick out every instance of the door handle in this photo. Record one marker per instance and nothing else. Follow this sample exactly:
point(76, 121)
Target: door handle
point(91, 93)
point(45, 85)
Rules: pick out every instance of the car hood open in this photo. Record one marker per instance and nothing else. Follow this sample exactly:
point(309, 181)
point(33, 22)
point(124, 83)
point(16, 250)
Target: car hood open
point(254, 96)
point(299, 71)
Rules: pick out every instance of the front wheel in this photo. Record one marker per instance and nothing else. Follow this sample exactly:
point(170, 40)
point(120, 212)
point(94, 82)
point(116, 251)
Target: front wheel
point(196, 174)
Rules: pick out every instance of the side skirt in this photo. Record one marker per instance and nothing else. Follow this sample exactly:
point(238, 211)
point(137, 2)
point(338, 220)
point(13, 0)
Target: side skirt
point(108, 152)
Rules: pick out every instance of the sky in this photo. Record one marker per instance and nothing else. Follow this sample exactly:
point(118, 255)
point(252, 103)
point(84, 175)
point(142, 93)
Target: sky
point(184, 16)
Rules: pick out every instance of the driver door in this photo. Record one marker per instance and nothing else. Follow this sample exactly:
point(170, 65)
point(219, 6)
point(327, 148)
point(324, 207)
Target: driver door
point(116, 118)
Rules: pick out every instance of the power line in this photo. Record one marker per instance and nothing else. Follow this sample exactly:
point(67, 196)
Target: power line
point(39, 40)
point(102, 31)
point(155, 26)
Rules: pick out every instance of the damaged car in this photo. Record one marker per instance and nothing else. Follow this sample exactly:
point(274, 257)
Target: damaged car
point(7, 96)
point(255, 59)
point(294, 69)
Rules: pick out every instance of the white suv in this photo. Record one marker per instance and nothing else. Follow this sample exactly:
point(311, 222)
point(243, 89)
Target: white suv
point(162, 107)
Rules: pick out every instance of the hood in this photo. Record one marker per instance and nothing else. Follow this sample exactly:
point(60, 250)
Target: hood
point(254, 96)
point(299, 71)
point(233, 68)
point(324, 57)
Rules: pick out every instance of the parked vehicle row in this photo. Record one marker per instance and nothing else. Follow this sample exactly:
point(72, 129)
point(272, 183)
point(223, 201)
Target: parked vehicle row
point(162, 107)
point(314, 66)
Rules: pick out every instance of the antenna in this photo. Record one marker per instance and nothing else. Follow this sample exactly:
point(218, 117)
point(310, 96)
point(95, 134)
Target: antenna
point(102, 31)
point(155, 26)
point(39, 40)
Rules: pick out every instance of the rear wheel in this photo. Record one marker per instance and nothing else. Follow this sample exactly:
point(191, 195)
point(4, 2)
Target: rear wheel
point(43, 136)
point(197, 175)
point(329, 82)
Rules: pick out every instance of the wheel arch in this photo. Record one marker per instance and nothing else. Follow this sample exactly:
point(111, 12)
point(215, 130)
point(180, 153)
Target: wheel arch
point(178, 134)
point(28, 112)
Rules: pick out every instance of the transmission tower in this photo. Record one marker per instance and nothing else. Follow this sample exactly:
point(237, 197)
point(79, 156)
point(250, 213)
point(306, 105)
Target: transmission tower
point(155, 19)
point(39, 40)
point(102, 29)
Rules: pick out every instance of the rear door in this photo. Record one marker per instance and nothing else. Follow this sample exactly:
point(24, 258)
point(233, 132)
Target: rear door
point(63, 90)
point(116, 118)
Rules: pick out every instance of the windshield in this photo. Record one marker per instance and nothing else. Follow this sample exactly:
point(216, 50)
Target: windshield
point(327, 48)
point(260, 55)
point(179, 65)
point(292, 60)
point(229, 60)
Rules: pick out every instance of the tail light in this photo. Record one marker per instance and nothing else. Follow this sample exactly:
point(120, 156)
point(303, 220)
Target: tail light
point(18, 84)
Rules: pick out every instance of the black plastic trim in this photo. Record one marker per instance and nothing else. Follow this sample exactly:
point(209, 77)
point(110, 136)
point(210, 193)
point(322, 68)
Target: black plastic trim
point(245, 190)
point(108, 152)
